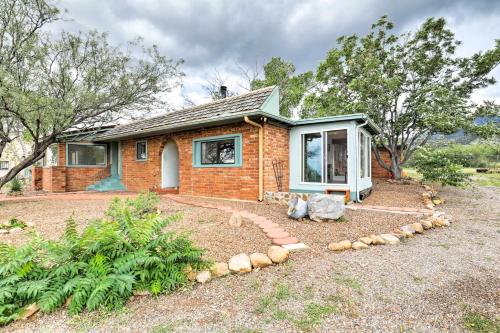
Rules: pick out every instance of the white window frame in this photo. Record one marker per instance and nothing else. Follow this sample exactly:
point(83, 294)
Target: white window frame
point(366, 138)
point(323, 132)
point(8, 165)
point(136, 151)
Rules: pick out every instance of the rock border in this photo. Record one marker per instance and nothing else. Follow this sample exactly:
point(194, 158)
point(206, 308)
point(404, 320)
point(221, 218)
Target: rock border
point(438, 219)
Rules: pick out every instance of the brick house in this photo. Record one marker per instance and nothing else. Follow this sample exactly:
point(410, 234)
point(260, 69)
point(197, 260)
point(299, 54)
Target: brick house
point(237, 147)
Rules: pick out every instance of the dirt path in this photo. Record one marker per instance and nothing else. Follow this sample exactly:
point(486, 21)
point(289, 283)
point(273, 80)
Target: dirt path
point(426, 284)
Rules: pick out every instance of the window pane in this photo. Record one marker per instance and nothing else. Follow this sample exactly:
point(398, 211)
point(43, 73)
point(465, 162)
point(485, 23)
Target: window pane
point(336, 157)
point(86, 155)
point(141, 150)
point(368, 157)
point(362, 155)
point(4, 165)
point(312, 157)
point(218, 152)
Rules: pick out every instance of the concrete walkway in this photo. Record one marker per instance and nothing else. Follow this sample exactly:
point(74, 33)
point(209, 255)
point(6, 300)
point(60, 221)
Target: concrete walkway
point(388, 209)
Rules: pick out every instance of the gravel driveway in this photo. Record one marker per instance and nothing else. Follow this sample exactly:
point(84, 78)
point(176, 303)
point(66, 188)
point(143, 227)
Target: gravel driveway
point(426, 284)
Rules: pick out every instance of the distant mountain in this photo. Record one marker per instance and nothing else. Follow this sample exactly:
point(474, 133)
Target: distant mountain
point(462, 137)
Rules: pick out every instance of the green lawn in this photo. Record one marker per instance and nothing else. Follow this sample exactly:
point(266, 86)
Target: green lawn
point(482, 179)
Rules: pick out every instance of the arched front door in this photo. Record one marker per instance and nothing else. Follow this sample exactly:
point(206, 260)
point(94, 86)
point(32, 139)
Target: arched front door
point(170, 166)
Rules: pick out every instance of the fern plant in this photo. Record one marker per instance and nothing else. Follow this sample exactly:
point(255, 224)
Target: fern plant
point(102, 266)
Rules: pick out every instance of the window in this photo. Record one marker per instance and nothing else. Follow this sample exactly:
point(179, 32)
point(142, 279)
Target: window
point(364, 142)
point(4, 165)
point(312, 158)
point(218, 151)
point(50, 158)
point(86, 155)
point(141, 150)
point(324, 157)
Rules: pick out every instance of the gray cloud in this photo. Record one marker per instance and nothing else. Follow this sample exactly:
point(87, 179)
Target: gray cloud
point(209, 34)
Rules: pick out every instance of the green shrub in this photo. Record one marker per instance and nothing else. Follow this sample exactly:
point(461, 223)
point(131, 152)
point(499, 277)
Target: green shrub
point(15, 186)
point(13, 222)
point(102, 266)
point(437, 167)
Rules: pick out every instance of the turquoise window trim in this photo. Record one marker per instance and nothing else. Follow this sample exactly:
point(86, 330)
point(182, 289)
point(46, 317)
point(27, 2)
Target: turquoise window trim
point(238, 151)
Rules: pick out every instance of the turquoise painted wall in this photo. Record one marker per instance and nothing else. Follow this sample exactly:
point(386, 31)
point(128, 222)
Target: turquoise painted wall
point(296, 184)
point(272, 103)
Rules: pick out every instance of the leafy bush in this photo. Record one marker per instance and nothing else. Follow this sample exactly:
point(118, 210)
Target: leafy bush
point(13, 222)
point(478, 155)
point(102, 266)
point(15, 186)
point(437, 167)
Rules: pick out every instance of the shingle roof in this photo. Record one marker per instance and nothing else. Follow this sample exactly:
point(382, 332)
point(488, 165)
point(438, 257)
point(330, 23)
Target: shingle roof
point(227, 108)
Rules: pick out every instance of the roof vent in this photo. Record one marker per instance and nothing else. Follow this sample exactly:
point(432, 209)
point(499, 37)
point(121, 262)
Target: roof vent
point(223, 91)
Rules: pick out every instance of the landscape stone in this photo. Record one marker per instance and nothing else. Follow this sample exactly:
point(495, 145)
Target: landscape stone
point(359, 246)
point(297, 208)
point(203, 276)
point(235, 220)
point(366, 240)
point(419, 229)
point(295, 247)
point(260, 260)
point(377, 240)
point(4, 231)
point(426, 224)
point(390, 239)
point(325, 207)
point(29, 311)
point(219, 269)
point(240, 263)
point(340, 246)
point(408, 229)
point(278, 254)
point(16, 230)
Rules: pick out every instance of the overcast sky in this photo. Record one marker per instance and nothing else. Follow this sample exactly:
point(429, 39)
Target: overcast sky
point(214, 34)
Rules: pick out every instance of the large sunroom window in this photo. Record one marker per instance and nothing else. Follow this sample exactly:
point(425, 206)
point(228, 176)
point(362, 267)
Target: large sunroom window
point(364, 143)
point(86, 155)
point(324, 157)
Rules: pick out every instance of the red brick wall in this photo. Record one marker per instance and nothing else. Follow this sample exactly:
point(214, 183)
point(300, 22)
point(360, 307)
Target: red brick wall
point(377, 170)
point(228, 182)
point(54, 179)
point(36, 178)
point(276, 141)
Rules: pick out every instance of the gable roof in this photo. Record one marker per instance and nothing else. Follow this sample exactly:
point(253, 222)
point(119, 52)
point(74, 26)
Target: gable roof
point(223, 110)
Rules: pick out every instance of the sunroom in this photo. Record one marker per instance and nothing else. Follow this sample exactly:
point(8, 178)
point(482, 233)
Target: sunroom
point(332, 155)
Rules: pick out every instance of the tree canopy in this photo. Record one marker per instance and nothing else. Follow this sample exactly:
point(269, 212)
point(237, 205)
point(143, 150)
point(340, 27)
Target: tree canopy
point(412, 85)
point(49, 84)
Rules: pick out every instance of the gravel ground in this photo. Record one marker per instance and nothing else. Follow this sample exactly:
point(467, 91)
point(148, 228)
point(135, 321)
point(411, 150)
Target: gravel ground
point(425, 284)
point(207, 227)
point(395, 195)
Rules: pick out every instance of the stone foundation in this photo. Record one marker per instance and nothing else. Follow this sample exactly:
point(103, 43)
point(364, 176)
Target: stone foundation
point(283, 197)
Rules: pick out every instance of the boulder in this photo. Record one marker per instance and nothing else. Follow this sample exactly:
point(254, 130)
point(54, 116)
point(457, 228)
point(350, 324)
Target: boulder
point(366, 240)
point(278, 254)
point(190, 273)
point(390, 239)
point(340, 246)
point(297, 208)
point(325, 207)
point(359, 246)
point(438, 222)
point(240, 263)
point(426, 224)
point(260, 260)
point(4, 231)
point(400, 235)
point(419, 229)
point(407, 229)
point(235, 220)
point(203, 276)
point(377, 240)
point(219, 269)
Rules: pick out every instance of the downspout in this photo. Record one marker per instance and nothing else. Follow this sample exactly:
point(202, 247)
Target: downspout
point(261, 155)
point(358, 158)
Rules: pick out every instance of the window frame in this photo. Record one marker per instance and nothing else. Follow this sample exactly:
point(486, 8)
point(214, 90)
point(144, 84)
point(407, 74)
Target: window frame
point(367, 150)
point(238, 151)
point(323, 132)
point(8, 165)
point(105, 165)
point(136, 150)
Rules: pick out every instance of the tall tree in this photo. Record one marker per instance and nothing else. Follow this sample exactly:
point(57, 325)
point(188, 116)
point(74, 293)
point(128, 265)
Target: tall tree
point(49, 85)
point(292, 87)
point(412, 85)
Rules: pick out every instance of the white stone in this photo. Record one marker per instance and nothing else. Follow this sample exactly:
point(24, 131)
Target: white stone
point(359, 246)
point(16, 230)
point(295, 247)
point(219, 269)
point(260, 260)
point(325, 207)
point(203, 276)
point(408, 229)
point(390, 239)
point(4, 231)
point(297, 208)
point(240, 263)
point(235, 220)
